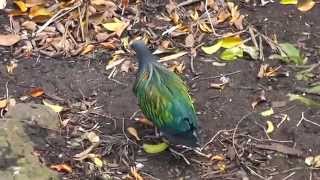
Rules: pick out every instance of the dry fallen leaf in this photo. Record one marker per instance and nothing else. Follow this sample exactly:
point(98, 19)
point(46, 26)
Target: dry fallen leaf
point(55, 108)
point(218, 157)
point(133, 132)
point(87, 49)
point(38, 11)
point(9, 39)
point(135, 174)
point(189, 41)
point(11, 67)
point(117, 26)
point(305, 5)
point(173, 56)
point(36, 92)
point(62, 168)
point(260, 99)
point(21, 5)
point(3, 103)
point(126, 66)
point(92, 137)
point(29, 25)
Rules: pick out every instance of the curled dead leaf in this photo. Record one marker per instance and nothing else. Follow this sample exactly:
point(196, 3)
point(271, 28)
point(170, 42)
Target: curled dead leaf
point(133, 132)
point(62, 168)
point(36, 92)
point(87, 49)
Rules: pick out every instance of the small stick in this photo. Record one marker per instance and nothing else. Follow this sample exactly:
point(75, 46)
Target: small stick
point(305, 119)
point(186, 3)
point(215, 77)
point(287, 177)
point(235, 130)
point(181, 155)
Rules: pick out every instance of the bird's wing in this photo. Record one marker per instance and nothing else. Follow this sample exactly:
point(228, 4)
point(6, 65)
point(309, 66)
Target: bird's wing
point(164, 98)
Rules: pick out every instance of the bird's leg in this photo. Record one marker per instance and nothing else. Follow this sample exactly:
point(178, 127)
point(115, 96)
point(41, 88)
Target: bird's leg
point(158, 134)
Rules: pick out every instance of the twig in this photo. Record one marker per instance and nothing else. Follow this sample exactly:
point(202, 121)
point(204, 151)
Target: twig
point(181, 155)
point(305, 119)
point(214, 137)
point(287, 177)
point(208, 15)
point(125, 135)
point(186, 3)
point(58, 15)
point(215, 77)
point(235, 130)
point(192, 65)
point(255, 173)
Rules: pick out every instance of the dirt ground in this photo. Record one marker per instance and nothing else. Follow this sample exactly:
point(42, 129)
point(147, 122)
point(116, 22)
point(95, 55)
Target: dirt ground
point(69, 81)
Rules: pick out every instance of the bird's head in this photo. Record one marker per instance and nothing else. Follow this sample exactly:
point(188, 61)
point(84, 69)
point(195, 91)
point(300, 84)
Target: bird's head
point(143, 54)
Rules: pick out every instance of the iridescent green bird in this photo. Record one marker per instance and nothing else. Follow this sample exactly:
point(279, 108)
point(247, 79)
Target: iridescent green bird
point(163, 98)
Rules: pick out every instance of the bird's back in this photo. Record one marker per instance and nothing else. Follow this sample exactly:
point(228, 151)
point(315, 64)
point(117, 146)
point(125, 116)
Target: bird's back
point(163, 98)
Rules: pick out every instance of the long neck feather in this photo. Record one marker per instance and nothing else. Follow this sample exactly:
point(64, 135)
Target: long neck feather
point(145, 57)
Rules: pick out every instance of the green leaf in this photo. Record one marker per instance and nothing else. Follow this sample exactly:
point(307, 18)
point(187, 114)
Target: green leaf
point(290, 53)
point(252, 51)
point(232, 54)
point(308, 102)
point(286, 2)
point(212, 49)
point(154, 148)
point(314, 90)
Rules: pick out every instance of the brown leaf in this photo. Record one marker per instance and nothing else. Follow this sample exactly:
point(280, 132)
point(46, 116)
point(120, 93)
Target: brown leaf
point(29, 25)
point(223, 15)
point(9, 39)
point(40, 12)
point(108, 45)
point(133, 132)
point(62, 168)
point(31, 3)
point(126, 66)
point(87, 49)
point(36, 92)
point(124, 3)
point(100, 37)
point(189, 41)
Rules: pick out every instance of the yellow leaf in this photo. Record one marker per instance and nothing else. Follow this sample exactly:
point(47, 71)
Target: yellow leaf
point(3, 103)
point(154, 148)
point(87, 49)
point(270, 127)
point(97, 162)
point(268, 112)
point(205, 28)
point(230, 42)
point(286, 2)
point(39, 11)
point(305, 5)
point(195, 15)
point(55, 108)
point(9, 39)
point(212, 49)
point(22, 6)
point(116, 26)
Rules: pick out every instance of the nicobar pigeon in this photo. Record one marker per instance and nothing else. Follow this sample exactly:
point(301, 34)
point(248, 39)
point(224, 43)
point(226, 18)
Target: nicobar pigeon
point(163, 98)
